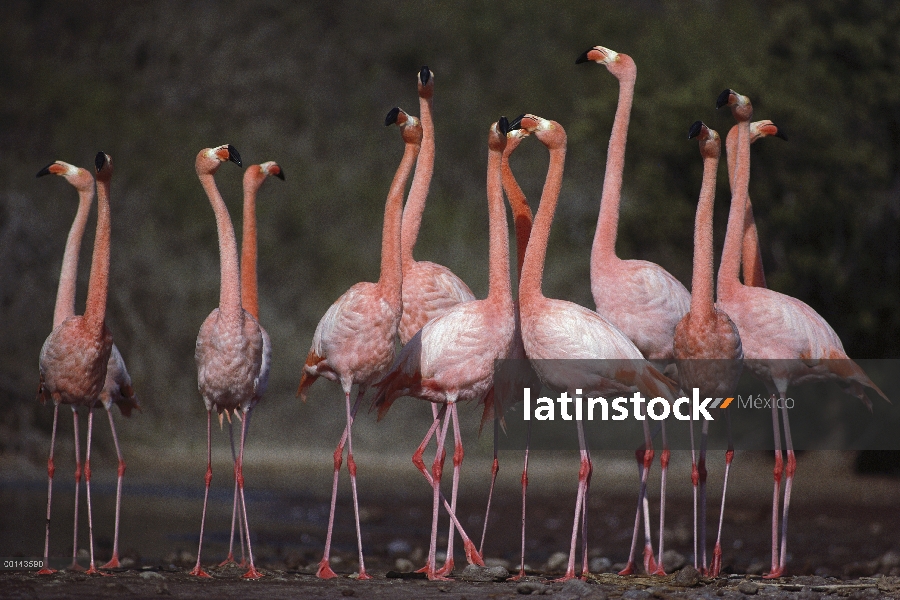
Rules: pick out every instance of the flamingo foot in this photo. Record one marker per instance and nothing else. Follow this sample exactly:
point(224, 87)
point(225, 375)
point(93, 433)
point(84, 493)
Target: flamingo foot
point(199, 572)
point(447, 569)
point(46, 571)
point(252, 573)
point(435, 575)
point(774, 574)
point(95, 571)
point(75, 567)
point(363, 576)
point(422, 570)
point(716, 565)
point(112, 564)
point(659, 570)
point(569, 575)
point(521, 575)
point(649, 561)
point(325, 571)
point(628, 570)
point(472, 554)
point(228, 561)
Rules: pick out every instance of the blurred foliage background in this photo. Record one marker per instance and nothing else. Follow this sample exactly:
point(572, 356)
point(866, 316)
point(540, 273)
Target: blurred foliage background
point(308, 84)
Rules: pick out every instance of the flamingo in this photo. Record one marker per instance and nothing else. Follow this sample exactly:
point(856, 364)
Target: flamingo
point(556, 329)
point(452, 357)
point(707, 345)
point(639, 297)
point(75, 357)
point(254, 176)
point(354, 341)
point(233, 352)
point(784, 340)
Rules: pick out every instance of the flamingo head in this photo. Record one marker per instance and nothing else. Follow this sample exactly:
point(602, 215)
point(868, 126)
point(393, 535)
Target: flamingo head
point(740, 105)
point(710, 144)
point(426, 83)
point(497, 136)
point(409, 125)
point(80, 179)
point(766, 128)
point(103, 164)
point(618, 64)
point(256, 174)
point(549, 132)
point(513, 138)
point(209, 159)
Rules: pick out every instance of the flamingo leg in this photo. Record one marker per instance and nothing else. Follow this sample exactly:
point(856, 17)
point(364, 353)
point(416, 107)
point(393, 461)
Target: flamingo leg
point(235, 514)
point(351, 466)
point(524, 489)
point(87, 484)
point(251, 573)
point(776, 494)
point(325, 571)
point(695, 481)
point(75, 566)
point(716, 565)
point(495, 467)
point(114, 561)
point(702, 473)
point(790, 469)
point(583, 479)
point(644, 456)
point(458, 455)
point(198, 570)
point(436, 470)
point(584, 506)
point(664, 464)
point(51, 468)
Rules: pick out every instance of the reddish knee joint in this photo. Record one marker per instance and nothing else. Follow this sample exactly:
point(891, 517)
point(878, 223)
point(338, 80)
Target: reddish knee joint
point(239, 475)
point(78, 472)
point(648, 458)
point(338, 458)
point(585, 471)
point(791, 464)
point(122, 467)
point(524, 479)
point(664, 458)
point(779, 467)
point(351, 465)
point(729, 455)
point(208, 477)
point(87, 472)
point(458, 455)
point(417, 460)
point(51, 468)
point(695, 475)
point(437, 469)
point(495, 468)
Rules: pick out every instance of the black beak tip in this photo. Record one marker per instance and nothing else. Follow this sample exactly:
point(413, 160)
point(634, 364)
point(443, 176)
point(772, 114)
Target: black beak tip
point(234, 156)
point(100, 161)
point(391, 117)
point(722, 100)
point(583, 57)
point(280, 174)
point(694, 131)
point(503, 125)
point(516, 123)
point(425, 75)
point(781, 134)
point(44, 171)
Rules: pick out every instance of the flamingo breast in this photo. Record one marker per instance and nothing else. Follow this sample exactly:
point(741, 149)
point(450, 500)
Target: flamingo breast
point(73, 363)
point(229, 356)
point(429, 290)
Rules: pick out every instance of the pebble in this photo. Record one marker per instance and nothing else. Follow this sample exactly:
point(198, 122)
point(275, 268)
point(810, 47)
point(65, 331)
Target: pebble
point(636, 595)
point(532, 587)
point(686, 577)
point(601, 564)
point(150, 575)
point(673, 560)
point(476, 573)
point(748, 587)
point(556, 562)
point(576, 588)
point(404, 565)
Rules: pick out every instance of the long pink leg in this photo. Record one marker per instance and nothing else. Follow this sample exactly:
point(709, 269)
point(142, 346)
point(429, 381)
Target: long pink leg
point(235, 514)
point(701, 468)
point(198, 571)
point(524, 489)
point(664, 463)
point(644, 456)
point(583, 479)
point(114, 561)
point(351, 466)
point(75, 566)
point(776, 494)
point(790, 469)
point(495, 467)
point(584, 506)
point(51, 469)
point(716, 565)
point(325, 571)
point(87, 484)
point(436, 470)
point(458, 455)
point(695, 481)
point(251, 573)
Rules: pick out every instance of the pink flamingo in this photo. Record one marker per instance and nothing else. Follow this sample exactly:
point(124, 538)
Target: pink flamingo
point(639, 297)
point(707, 345)
point(74, 358)
point(233, 352)
point(751, 258)
point(784, 340)
point(452, 357)
point(254, 176)
point(354, 341)
point(547, 327)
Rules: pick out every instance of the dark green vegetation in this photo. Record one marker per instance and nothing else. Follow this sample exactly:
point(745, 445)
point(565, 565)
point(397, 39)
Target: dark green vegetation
point(308, 85)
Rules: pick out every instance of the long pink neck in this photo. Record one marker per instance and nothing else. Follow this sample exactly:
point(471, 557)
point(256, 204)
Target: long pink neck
point(604, 246)
point(702, 278)
point(68, 276)
point(521, 211)
point(95, 309)
point(535, 255)
point(230, 290)
point(499, 290)
point(731, 253)
point(391, 264)
point(418, 191)
point(249, 287)
point(751, 255)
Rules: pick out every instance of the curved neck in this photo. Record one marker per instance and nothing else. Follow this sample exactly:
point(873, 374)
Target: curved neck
point(604, 246)
point(418, 191)
point(522, 216)
point(731, 253)
point(249, 287)
point(230, 290)
point(499, 290)
point(68, 276)
point(95, 309)
point(391, 265)
point(702, 277)
point(751, 255)
point(535, 255)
